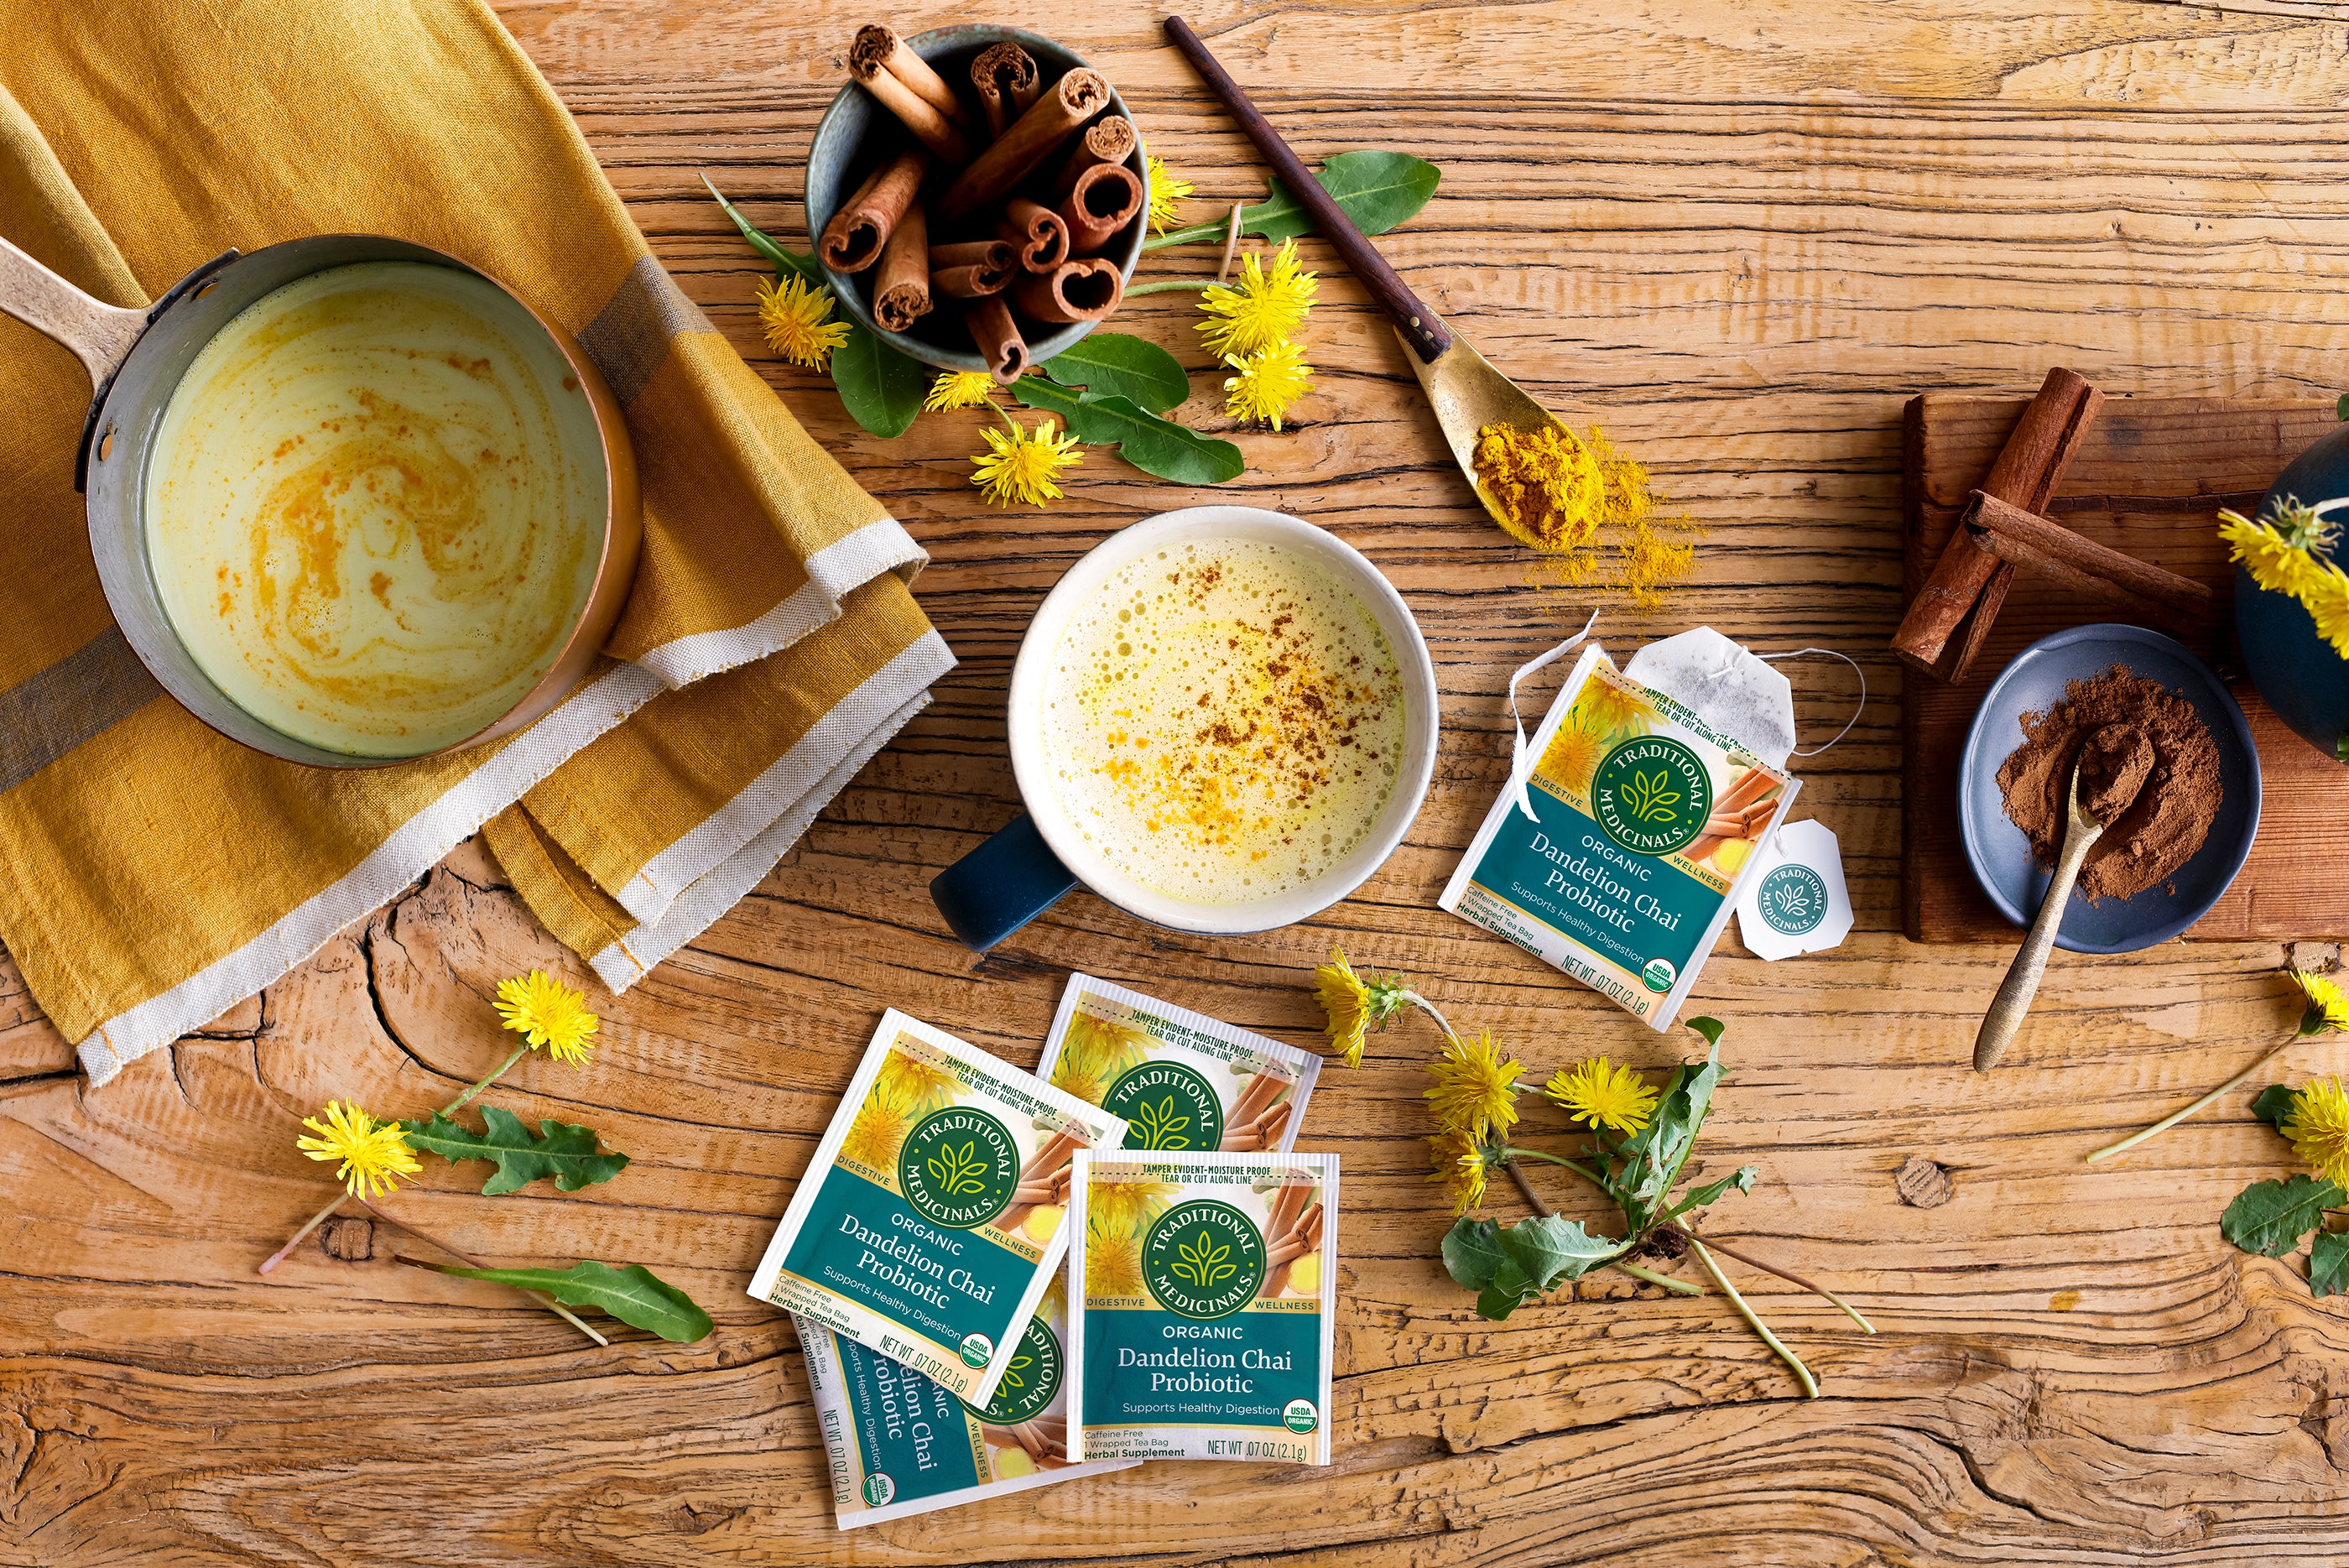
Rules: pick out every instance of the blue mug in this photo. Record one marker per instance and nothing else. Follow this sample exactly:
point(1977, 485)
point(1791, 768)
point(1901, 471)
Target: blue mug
point(1040, 858)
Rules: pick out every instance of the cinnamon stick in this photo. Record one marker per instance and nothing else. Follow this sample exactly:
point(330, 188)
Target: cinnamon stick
point(1969, 580)
point(1106, 198)
point(1075, 98)
point(1005, 75)
point(1084, 290)
point(924, 119)
point(972, 268)
point(1109, 140)
point(2115, 568)
point(879, 48)
point(855, 235)
point(1263, 1088)
point(996, 336)
point(901, 289)
point(1035, 233)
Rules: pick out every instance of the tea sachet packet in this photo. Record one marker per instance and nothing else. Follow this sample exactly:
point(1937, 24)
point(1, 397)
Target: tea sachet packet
point(1181, 1080)
point(1795, 902)
point(1207, 1283)
point(1632, 820)
point(933, 1214)
point(900, 1444)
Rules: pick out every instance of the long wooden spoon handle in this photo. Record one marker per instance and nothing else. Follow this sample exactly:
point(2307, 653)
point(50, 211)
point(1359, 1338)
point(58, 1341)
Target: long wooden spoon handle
point(1418, 324)
point(2014, 999)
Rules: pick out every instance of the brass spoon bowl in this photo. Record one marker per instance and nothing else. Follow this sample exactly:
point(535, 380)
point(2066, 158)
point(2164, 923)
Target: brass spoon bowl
point(1468, 394)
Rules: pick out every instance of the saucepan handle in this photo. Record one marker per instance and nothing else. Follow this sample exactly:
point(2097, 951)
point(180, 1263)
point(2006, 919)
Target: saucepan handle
point(100, 335)
point(1000, 885)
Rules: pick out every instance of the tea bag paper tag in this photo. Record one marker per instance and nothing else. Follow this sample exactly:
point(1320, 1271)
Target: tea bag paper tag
point(1726, 686)
point(1795, 902)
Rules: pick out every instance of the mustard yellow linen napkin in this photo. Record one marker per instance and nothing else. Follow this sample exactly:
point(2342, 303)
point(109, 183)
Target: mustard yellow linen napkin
point(152, 873)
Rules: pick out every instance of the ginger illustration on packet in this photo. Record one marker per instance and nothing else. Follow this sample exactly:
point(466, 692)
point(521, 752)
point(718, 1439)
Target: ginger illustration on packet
point(1181, 1080)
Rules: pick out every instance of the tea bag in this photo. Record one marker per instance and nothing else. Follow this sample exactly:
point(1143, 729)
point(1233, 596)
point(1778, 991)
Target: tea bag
point(1796, 902)
point(1728, 687)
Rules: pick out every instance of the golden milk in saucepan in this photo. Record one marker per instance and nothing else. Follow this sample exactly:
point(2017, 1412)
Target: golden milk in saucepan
point(375, 507)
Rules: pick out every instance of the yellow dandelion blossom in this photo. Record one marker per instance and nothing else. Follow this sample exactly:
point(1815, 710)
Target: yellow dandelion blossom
point(798, 322)
point(1603, 1094)
point(1269, 381)
point(2318, 1126)
point(1094, 1053)
point(1459, 1163)
point(1606, 708)
point(1476, 1092)
point(2327, 1008)
point(2328, 605)
point(1266, 307)
point(1125, 1207)
point(879, 1131)
point(915, 1084)
point(1574, 752)
point(960, 390)
point(1113, 1262)
point(1351, 1005)
point(1021, 468)
point(372, 1153)
point(1165, 191)
point(547, 1013)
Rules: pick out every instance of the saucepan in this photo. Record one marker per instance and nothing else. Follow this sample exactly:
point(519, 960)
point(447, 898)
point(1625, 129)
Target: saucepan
point(137, 360)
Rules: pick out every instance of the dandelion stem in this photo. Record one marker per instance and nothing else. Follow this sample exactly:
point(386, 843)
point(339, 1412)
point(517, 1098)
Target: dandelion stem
point(1168, 285)
point(312, 1223)
point(1426, 1006)
point(1534, 1201)
point(499, 1072)
point(2166, 1123)
point(1810, 1384)
point(1574, 1166)
point(541, 1297)
point(1788, 1275)
point(1680, 1287)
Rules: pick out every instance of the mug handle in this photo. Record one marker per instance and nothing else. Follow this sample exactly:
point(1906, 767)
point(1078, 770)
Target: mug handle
point(1000, 885)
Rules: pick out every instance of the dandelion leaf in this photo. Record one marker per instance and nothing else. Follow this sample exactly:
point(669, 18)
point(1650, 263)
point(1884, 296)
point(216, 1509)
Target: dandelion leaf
point(2328, 1264)
point(881, 388)
point(2273, 1218)
point(1472, 1253)
point(1741, 1178)
point(1117, 364)
point(2273, 1104)
point(559, 1149)
point(1549, 1251)
point(634, 1295)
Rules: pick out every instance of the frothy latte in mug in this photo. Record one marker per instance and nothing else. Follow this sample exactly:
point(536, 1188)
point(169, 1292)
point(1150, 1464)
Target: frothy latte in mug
point(1223, 721)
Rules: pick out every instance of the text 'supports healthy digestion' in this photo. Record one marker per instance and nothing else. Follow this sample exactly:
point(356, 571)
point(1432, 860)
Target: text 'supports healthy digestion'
point(1208, 1284)
point(930, 1222)
point(1183, 1081)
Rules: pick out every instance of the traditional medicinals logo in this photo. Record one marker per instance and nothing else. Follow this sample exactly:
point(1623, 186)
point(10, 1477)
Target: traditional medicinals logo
point(1793, 899)
point(1167, 1105)
point(1651, 796)
point(1029, 1382)
point(1204, 1259)
point(958, 1167)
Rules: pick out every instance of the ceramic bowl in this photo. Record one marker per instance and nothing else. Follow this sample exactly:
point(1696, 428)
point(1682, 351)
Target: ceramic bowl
point(857, 135)
point(2295, 668)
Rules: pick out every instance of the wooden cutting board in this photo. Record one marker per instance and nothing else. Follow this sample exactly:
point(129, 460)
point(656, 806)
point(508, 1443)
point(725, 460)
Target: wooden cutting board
point(2151, 476)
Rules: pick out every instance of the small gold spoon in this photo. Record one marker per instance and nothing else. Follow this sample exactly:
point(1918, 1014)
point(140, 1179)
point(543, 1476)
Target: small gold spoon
point(2081, 830)
point(1459, 384)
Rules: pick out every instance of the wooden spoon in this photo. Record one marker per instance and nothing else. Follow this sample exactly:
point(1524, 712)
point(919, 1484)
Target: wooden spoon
point(1466, 391)
point(2081, 830)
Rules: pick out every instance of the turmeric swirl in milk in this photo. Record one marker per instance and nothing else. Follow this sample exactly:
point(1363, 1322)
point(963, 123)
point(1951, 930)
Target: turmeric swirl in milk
point(365, 508)
point(1225, 720)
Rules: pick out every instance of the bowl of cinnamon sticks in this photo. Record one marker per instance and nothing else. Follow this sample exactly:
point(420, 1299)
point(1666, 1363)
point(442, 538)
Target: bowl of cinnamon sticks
point(977, 196)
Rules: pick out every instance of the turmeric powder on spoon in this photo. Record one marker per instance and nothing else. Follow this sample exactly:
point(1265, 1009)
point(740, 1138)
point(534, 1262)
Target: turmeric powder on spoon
point(1569, 496)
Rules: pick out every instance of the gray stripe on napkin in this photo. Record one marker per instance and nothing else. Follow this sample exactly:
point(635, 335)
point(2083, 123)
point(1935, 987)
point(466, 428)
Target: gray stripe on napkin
point(630, 337)
point(79, 697)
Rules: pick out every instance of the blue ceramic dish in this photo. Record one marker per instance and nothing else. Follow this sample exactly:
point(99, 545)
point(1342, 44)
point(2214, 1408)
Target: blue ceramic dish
point(2304, 680)
point(2000, 855)
point(856, 135)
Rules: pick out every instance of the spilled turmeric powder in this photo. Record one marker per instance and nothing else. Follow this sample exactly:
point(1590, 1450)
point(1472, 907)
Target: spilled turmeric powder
point(1578, 500)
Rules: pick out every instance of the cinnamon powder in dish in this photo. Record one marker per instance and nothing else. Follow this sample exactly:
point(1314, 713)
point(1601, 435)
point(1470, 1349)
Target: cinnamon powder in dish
point(2098, 723)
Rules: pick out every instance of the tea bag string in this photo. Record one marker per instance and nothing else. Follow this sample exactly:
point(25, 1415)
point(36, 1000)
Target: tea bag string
point(1521, 759)
point(1847, 658)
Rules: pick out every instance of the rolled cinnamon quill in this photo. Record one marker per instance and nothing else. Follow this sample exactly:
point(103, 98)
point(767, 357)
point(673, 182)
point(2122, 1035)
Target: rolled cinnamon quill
point(1005, 75)
point(1075, 98)
point(901, 289)
point(998, 338)
point(975, 267)
point(906, 88)
point(852, 239)
point(1109, 140)
point(1084, 290)
point(1037, 235)
point(1107, 197)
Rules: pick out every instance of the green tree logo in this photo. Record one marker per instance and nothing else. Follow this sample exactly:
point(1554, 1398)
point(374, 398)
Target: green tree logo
point(959, 1172)
point(1204, 1259)
point(958, 1167)
point(1650, 797)
point(1651, 794)
point(1031, 1382)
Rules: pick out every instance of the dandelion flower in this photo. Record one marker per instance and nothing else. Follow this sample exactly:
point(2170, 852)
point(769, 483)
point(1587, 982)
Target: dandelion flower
point(914, 1082)
point(1112, 1261)
point(1476, 1091)
point(1460, 1163)
point(547, 1013)
point(1125, 1208)
point(372, 1152)
point(878, 1131)
point(1574, 752)
point(1353, 1005)
point(960, 390)
point(2318, 1126)
point(1603, 1096)
point(798, 322)
point(1165, 192)
point(1266, 307)
point(2327, 1008)
point(1094, 1053)
point(1021, 468)
point(1606, 708)
point(1269, 381)
point(2328, 605)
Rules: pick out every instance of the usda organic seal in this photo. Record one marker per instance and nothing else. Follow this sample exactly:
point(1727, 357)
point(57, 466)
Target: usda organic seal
point(958, 1167)
point(879, 1489)
point(976, 1350)
point(1659, 975)
point(1792, 900)
point(1299, 1415)
point(1167, 1105)
point(1204, 1259)
point(1651, 796)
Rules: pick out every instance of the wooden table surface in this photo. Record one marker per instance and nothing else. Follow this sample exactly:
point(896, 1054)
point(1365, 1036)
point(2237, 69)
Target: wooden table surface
point(1740, 233)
